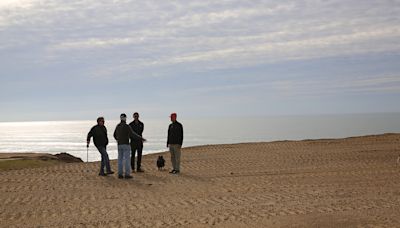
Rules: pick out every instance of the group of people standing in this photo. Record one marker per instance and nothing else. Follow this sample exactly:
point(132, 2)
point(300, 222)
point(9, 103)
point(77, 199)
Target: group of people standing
point(130, 140)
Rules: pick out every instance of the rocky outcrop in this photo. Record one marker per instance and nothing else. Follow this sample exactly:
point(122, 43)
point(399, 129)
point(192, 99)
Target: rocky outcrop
point(65, 157)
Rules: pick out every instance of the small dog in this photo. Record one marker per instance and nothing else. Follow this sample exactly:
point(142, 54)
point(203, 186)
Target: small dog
point(160, 163)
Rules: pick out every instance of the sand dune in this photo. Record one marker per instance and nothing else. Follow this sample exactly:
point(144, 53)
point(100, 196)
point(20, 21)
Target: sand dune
point(313, 183)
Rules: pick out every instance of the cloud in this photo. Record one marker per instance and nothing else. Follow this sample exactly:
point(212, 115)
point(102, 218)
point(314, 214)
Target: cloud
point(216, 55)
point(134, 36)
point(93, 43)
point(16, 4)
point(217, 17)
point(300, 88)
point(128, 38)
point(320, 87)
point(114, 22)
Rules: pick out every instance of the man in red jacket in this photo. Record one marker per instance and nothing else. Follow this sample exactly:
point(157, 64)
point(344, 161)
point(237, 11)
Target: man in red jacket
point(174, 143)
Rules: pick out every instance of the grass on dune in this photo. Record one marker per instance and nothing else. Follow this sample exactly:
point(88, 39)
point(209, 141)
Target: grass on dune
point(25, 163)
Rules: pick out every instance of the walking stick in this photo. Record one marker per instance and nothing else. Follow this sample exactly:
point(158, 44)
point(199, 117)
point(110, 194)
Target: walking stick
point(87, 157)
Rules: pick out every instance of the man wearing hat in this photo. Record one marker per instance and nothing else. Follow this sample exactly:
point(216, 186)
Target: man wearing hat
point(123, 132)
point(174, 143)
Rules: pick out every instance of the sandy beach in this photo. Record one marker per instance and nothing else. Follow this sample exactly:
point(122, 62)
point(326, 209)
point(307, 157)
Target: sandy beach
point(352, 182)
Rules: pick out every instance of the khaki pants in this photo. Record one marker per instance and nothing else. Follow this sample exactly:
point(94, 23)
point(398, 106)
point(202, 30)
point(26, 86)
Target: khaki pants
point(175, 150)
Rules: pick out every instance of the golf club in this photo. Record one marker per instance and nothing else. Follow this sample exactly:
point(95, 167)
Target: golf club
point(87, 157)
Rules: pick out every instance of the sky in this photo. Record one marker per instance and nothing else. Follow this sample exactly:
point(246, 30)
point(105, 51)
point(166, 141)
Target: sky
point(79, 59)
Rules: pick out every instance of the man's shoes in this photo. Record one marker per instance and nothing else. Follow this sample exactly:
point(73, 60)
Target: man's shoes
point(102, 174)
point(175, 172)
point(128, 177)
point(109, 173)
point(172, 171)
point(139, 170)
point(120, 176)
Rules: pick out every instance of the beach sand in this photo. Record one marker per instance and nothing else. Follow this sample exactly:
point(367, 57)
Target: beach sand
point(353, 182)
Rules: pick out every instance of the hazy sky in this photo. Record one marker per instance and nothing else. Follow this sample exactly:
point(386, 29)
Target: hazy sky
point(78, 59)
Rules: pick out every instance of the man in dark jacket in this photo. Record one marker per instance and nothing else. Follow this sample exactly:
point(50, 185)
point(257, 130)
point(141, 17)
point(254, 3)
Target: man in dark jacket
point(174, 142)
point(99, 134)
point(136, 144)
point(123, 132)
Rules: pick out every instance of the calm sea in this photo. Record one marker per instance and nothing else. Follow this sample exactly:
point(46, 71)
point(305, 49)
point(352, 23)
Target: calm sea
point(70, 136)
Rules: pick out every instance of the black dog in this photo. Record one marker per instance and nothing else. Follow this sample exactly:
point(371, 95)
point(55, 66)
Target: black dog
point(160, 162)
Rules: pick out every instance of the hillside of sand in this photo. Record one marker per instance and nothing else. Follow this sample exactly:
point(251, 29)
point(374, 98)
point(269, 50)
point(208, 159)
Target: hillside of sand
point(312, 183)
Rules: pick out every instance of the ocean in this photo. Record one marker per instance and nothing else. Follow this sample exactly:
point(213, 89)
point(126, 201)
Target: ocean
point(70, 136)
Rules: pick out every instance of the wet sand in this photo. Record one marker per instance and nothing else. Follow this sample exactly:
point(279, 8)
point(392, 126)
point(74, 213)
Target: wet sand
point(312, 183)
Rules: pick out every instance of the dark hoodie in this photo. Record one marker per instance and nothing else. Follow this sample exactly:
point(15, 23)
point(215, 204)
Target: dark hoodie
point(99, 134)
point(175, 133)
point(123, 132)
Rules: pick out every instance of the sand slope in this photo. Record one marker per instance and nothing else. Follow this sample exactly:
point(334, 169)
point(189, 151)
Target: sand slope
point(314, 183)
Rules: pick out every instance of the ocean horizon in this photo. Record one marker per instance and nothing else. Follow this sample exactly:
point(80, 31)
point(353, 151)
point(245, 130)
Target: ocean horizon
point(70, 136)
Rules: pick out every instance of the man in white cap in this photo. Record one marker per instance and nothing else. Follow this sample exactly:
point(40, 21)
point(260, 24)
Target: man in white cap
point(123, 132)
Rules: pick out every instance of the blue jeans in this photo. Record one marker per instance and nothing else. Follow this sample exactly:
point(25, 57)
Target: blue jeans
point(124, 157)
point(105, 161)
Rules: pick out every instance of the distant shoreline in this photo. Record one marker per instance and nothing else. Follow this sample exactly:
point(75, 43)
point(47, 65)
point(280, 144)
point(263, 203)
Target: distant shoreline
point(22, 153)
point(4, 156)
point(70, 136)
